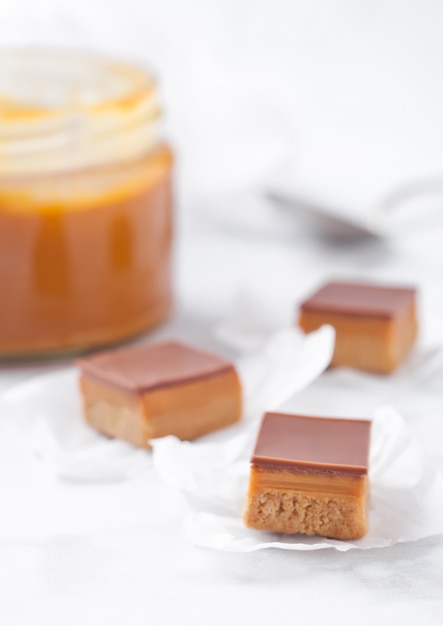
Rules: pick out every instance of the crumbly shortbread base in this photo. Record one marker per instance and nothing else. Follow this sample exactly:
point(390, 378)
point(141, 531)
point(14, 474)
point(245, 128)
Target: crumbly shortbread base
point(338, 516)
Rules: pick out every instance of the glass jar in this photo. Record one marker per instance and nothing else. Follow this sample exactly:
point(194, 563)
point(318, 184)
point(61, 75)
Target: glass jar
point(85, 202)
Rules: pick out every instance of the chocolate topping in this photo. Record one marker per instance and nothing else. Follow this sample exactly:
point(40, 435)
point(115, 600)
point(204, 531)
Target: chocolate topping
point(312, 444)
point(153, 366)
point(359, 299)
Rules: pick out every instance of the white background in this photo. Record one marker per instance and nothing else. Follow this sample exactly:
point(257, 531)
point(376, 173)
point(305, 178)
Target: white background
point(315, 76)
point(351, 91)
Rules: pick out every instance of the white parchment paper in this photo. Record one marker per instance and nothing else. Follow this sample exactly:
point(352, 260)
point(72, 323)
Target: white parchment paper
point(45, 416)
point(103, 482)
point(406, 501)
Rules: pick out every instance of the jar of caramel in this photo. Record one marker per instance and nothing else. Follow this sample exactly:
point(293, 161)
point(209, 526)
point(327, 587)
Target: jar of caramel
point(85, 202)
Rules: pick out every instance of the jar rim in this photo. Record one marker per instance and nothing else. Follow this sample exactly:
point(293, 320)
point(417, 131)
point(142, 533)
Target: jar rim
point(27, 62)
point(67, 108)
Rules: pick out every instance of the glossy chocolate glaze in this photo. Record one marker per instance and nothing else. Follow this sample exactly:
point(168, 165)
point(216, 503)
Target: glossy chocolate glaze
point(153, 366)
point(298, 443)
point(359, 299)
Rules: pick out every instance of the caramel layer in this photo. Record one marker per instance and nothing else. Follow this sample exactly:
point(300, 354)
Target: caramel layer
point(348, 484)
point(194, 408)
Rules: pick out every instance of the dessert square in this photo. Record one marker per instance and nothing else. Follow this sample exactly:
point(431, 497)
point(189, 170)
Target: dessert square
point(310, 475)
point(145, 392)
point(375, 325)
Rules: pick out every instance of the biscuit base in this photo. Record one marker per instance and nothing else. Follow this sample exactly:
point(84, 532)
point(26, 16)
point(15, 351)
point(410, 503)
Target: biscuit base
point(186, 410)
point(339, 515)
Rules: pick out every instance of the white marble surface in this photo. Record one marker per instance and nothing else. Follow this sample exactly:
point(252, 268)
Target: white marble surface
point(149, 572)
point(247, 85)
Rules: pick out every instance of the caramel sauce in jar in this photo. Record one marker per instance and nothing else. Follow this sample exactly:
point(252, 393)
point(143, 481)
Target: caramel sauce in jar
point(86, 215)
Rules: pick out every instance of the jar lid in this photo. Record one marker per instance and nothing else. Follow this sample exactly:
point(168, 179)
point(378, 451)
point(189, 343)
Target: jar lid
point(62, 109)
